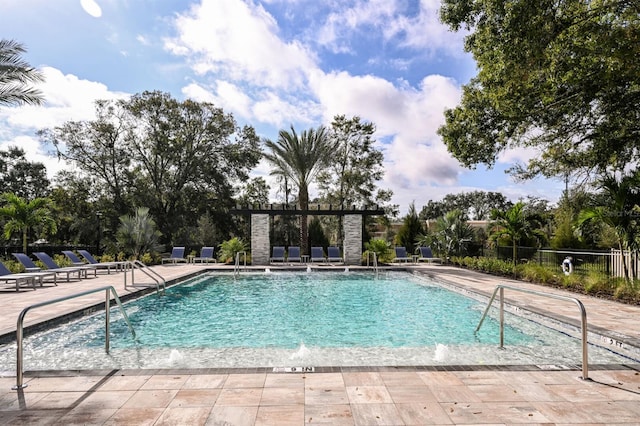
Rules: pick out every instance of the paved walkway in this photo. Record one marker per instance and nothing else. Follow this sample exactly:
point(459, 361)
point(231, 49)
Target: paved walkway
point(350, 396)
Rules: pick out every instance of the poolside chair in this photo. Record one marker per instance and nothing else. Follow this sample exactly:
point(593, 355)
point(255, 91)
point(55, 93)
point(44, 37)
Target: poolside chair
point(206, 255)
point(117, 265)
point(177, 255)
point(317, 255)
point(426, 255)
point(401, 255)
point(51, 265)
point(8, 277)
point(333, 254)
point(278, 254)
point(27, 263)
point(293, 254)
point(73, 258)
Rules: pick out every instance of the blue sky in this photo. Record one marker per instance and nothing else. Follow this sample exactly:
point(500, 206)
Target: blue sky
point(272, 63)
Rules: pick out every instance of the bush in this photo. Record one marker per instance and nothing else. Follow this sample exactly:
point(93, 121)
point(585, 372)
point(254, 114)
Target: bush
point(597, 282)
point(381, 248)
point(535, 273)
point(229, 249)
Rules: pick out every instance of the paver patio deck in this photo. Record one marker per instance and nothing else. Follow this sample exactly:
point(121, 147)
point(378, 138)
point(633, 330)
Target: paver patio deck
point(347, 396)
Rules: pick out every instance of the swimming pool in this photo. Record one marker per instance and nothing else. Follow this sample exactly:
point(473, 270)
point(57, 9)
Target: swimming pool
point(292, 319)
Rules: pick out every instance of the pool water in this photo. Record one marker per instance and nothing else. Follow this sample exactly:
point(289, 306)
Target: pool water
point(286, 319)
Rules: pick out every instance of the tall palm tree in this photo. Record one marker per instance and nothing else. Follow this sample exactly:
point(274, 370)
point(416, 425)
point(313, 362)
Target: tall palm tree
point(516, 224)
point(23, 215)
point(17, 76)
point(300, 159)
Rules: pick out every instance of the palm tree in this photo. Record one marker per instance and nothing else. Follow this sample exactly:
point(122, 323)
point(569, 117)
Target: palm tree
point(138, 234)
point(300, 159)
point(17, 76)
point(451, 233)
point(621, 213)
point(516, 224)
point(23, 215)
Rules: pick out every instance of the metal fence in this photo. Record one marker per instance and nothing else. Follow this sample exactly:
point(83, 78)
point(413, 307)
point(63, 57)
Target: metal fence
point(583, 261)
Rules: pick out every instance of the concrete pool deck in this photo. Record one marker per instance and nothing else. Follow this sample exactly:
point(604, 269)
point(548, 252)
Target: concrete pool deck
point(356, 396)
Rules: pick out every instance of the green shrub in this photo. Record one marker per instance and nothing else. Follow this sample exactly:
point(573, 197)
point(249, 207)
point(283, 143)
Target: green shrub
point(535, 273)
point(147, 259)
point(597, 282)
point(229, 249)
point(381, 248)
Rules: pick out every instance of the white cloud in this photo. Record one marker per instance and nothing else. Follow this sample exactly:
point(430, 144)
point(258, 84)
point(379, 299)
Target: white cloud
point(67, 98)
point(239, 40)
point(91, 7)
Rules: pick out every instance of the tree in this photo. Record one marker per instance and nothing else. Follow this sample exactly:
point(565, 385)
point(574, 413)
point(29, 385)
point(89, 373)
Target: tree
point(411, 227)
point(255, 191)
point(181, 159)
point(100, 149)
point(622, 213)
point(300, 159)
point(560, 77)
point(476, 205)
point(24, 215)
point(450, 235)
point(21, 177)
point(17, 77)
point(516, 223)
point(355, 169)
point(138, 234)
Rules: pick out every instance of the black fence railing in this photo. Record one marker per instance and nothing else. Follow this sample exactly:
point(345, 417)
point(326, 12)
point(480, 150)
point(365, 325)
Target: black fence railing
point(582, 261)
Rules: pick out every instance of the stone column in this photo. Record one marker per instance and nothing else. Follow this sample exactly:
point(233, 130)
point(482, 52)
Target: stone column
point(259, 239)
point(352, 239)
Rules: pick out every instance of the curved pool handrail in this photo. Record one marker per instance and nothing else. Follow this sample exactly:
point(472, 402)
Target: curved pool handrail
point(583, 318)
point(20, 325)
point(154, 275)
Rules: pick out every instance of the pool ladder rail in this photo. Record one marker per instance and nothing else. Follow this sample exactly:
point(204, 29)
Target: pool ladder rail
point(236, 265)
point(136, 265)
point(583, 318)
point(107, 308)
point(375, 260)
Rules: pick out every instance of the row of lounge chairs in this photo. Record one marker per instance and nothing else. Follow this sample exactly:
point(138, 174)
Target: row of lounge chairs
point(426, 255)
point(36, 275)
point(317, 255)
point(177, 256)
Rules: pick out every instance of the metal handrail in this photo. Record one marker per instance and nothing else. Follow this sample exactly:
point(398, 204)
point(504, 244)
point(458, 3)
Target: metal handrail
point(375, 260)
point(236, 266)
point(583, 318)
point(136, 264)
point(20, 325)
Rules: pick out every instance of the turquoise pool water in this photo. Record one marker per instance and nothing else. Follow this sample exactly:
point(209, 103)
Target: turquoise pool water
point(323, 309)
point(288, 319)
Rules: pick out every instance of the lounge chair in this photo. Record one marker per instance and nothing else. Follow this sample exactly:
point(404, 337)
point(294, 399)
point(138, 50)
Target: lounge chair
point(27, 263)
point(401, 255)
point(7, 277)
point(426, 255)
point(317, 255)
point(51, 265)
point(177, 255)
point(75, 260)
point(206, 255)
point(293, 254)
point(117, 265)
point(278, 254)
point(333, 254)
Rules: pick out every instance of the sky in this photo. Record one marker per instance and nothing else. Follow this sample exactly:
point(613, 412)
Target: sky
point(272, 64)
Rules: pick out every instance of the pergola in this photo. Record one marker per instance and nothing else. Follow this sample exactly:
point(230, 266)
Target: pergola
point(351, 216)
